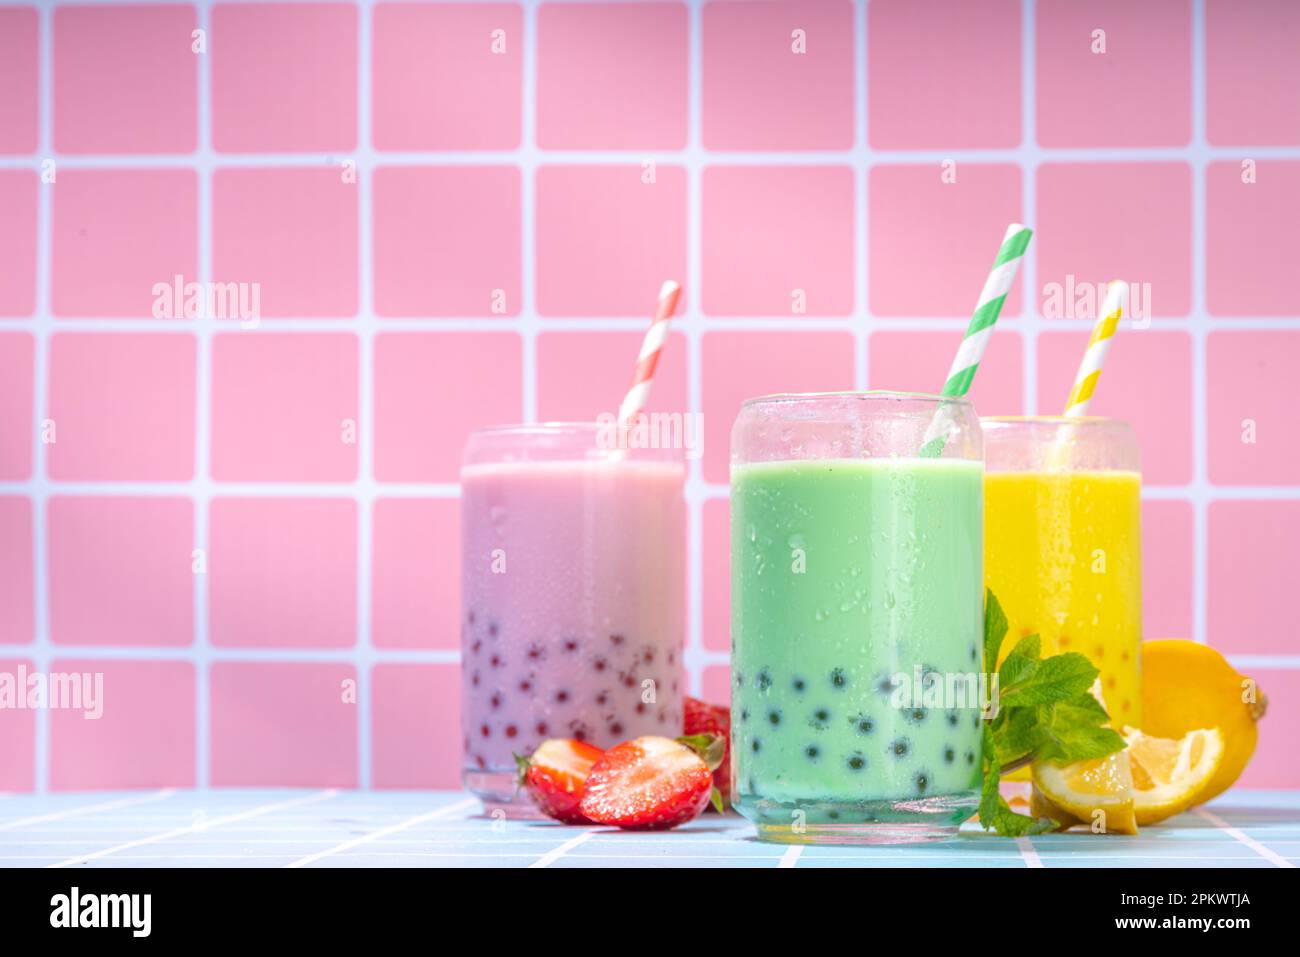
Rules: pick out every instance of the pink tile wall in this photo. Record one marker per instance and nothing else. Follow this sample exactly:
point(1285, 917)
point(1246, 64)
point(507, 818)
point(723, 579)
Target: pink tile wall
point(459, 214)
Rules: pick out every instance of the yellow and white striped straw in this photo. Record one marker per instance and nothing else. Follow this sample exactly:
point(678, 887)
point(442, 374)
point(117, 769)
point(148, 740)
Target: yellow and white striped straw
point(1085, 382)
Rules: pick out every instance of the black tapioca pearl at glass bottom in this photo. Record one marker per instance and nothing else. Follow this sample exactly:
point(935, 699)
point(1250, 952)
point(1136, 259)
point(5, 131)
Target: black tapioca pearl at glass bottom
point(915, 715)
point(949, 755)
point(953, 719)
point(616, 728)
point(774, 717)
point(886, 685)
point(561, 696)
point(976, 720)
point(922, 782)
point(756, 745)
point(838, 678)
point(602, 697)
point(535, 652)
point(542, 728)
point(833, 815)
point(744, 715)
point(900, 747)
point(629, 681)
point(856, 762)
point(495, 700)
point(474, 679)
point(477, 646)
point(740, 679)
point(970, 757)
point(764, 680)
point(798, 684)
point(496, 661)
point(511, 731)
point(647, 654)
point(640, 707)
point(570, 645)
point(812, 752)
point(485, 731)
point(599, 664)
point(616, 639)
point(525, 685)
point(864, 724)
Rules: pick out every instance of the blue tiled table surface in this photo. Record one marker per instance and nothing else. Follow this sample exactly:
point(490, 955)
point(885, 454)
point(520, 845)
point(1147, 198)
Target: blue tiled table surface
point(329, 828)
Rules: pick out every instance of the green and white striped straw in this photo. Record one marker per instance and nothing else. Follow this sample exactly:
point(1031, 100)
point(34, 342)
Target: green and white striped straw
point(976, 340)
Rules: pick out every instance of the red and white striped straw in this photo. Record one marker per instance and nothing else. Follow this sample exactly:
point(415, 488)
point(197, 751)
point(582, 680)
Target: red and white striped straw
point(651, 346)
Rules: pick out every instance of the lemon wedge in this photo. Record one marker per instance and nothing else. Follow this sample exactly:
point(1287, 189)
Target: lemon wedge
point(1096, 793)
point(1170, 775)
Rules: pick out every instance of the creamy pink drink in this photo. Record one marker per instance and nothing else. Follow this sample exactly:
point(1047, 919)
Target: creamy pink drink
point(573, 596)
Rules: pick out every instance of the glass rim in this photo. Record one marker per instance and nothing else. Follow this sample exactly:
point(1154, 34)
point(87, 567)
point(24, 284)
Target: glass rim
point(551, 427)
point(1079, 420)
point(859, 394)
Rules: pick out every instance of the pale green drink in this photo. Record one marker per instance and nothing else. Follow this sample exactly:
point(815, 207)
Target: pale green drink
point(855, 581)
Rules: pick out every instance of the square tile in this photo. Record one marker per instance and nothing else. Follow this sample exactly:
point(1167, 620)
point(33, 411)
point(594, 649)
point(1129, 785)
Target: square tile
point(293, 231)
point(1079, 205)
point(778, 76)
point(145, 737)
point(1273, 764)
point(282, 573)
point(17, 395)
point(930, 243)
point(284, 724)
point(778, 241)
point(1167, 573)
point(716, 684)
point(122, 407)
point(943, 73)
point(1250, 607)
point(432, 390)
point(415, 573)
point(607, 239)
point(18, 208)
point(121, 570)
point(1250, 237)
point(1252, 73)
point(20, 79)
point(919, 361)
point(715, 575)
point(446, 76)
point(17, 732)
point(262, 56)
point(447, 241)
point(285, 407)
point(118, 233)
point(126, 79)
point(17, 572)
point(415, 724)
point(637, 52)
point(1250, 384)
point(740, 365)
point(1136, 90)
point(1158, 416)
point(581, 375)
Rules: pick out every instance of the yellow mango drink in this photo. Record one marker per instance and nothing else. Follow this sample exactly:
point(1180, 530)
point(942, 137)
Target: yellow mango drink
point(1062, 543)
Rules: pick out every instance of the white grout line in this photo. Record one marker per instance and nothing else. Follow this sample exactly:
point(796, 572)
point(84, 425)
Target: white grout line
point(1029, 853)
point(1237, 834)
point(791, 856)
point(553, 855)
point(446, 811)
point(88, 809)
point(200, 826)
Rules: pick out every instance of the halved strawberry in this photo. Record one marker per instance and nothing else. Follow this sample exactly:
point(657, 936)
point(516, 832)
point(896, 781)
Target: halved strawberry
point(653, 783)
point(704, 718)
point(555, 775)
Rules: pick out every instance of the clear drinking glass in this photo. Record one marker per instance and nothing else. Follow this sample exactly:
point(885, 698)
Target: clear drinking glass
point(573, 595)
point(1062, 542)
point(857, 607)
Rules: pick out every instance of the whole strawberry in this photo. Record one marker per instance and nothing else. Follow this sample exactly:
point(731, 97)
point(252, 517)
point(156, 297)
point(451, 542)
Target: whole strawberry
point(554, 777)
point(704, 718)
point(653, 783)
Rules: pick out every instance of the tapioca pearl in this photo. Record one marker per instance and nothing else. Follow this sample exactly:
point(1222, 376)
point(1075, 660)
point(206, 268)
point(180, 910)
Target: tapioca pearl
point(470, 616)
point(599, 664)
point(949, 755)
point(495, 701)
point(820, 718)
point(764, 680)
point(542, 728)
point(493, 630)
point(812, 752)
point(561, 696)
point(974, 653)
point(641, 707)
point(756, 745)
point(1112, 683)
point(864, 724)
point(629, 681)
point(526, 685)
point(663, 717)
point(474, 679)
point(1099, 652)
point(839, 679)
point(496, 661)
point(602, 698)
point(900, 747)
point(616, 727)
point(976, 720)
point(774, 717)
point(616, 639)
point(740, 679)
point(970, 757)
point(856, 761)
point(953, 719)
point(1123, 656)
point(570, 645)
point(798, 684)
point(512, 731)
point(886, 685)
point(485, 730)
point(481, 762)
point(1061, 642)
point(833, 815)
point(535, 652)
point(914, 715)
point(477, 646)
point(744, 715)
point(647, 654)
point(921, 782)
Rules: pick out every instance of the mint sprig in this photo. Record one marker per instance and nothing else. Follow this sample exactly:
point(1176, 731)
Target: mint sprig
point(1045, 713)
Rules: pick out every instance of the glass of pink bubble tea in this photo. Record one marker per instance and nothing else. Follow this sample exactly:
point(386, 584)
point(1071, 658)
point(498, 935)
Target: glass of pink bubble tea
point(573, 596)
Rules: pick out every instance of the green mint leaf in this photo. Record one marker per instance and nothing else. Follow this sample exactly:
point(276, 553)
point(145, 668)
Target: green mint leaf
point(1017, 735)
point(995, 629)
point(989, 796)
point(1010, 824)
point(1054, 679)
point(1073, 730)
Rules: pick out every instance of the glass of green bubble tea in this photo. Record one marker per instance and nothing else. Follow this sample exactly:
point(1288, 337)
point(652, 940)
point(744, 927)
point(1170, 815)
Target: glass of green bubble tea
point(856, 617)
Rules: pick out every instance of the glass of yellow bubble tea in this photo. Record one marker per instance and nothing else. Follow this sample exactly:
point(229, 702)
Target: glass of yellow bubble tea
point(1062, 543)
